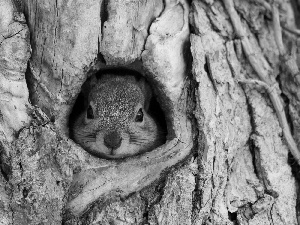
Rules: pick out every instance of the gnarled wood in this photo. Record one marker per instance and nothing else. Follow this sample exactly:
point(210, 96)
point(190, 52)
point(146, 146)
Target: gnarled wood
point(225, 160)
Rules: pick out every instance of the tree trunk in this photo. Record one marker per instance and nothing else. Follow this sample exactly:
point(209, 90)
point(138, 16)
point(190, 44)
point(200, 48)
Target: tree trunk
point(225, 74)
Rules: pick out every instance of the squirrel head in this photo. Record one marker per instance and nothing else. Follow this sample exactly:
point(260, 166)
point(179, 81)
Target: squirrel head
point(115, 122)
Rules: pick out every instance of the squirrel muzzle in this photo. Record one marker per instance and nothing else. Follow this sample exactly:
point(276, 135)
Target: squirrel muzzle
point(112, 140)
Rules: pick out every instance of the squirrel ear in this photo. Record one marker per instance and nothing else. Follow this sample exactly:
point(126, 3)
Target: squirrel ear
point(93, 81)
point(146, 91)
point(87, 87)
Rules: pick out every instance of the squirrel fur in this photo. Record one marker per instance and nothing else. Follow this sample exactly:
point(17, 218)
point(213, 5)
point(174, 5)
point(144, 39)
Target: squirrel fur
point(116, 122)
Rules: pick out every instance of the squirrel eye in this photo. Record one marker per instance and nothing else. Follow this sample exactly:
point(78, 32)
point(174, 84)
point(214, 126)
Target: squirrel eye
point(139, 116)
point(90, 113)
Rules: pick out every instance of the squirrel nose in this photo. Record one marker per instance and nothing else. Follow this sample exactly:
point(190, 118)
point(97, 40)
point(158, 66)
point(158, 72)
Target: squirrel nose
point(112, 140)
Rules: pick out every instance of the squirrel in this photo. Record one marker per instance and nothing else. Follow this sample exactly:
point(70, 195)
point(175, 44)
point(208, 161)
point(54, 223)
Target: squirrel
point(115, 122)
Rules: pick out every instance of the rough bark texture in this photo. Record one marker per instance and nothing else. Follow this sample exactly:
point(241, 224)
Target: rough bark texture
point(226, 159)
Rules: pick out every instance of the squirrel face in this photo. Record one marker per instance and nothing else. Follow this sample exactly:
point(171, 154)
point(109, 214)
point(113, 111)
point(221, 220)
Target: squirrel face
point(116, 123)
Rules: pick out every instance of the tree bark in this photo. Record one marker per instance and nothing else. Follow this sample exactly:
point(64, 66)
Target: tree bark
point(226, 76)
